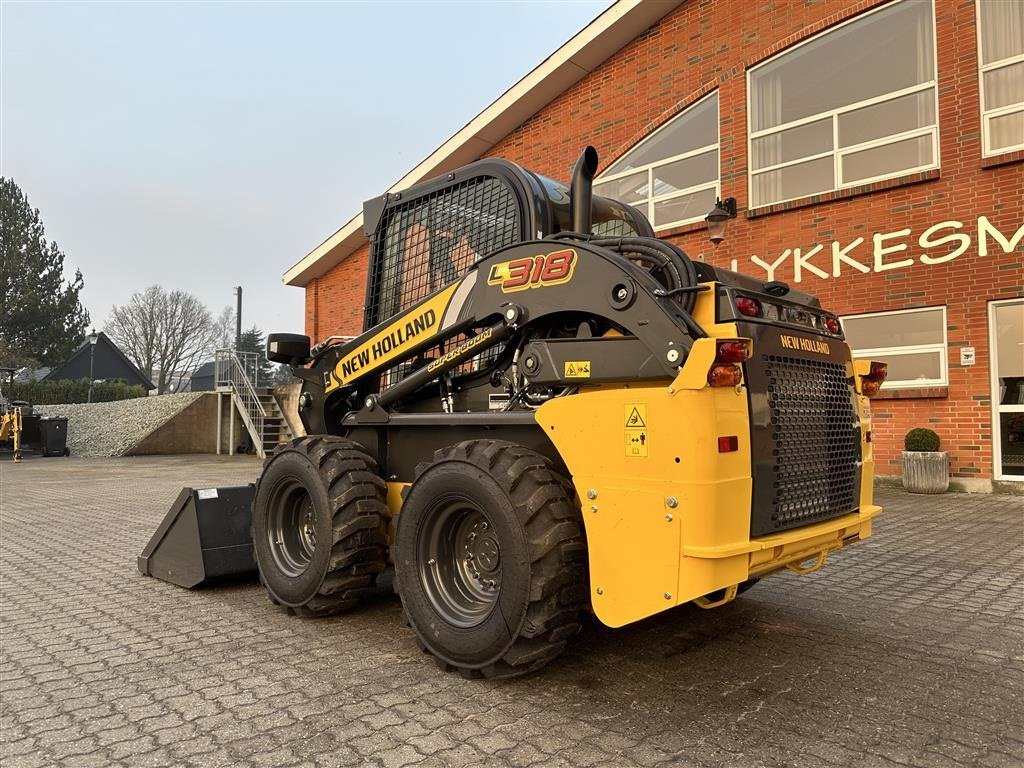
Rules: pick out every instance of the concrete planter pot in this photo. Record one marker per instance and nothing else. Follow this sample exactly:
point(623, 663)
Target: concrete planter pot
point(926, 471)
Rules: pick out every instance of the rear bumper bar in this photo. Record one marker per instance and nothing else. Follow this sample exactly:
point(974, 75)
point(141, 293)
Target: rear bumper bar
point(840, 528)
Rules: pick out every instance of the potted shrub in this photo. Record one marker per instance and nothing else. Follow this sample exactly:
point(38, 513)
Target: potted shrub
point(925, 467)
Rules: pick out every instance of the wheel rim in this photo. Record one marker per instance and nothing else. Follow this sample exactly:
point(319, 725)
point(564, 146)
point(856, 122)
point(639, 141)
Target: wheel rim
point(460, 562)
point(291, 529)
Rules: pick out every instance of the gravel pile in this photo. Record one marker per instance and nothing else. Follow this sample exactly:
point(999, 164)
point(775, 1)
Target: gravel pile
point(113, 429)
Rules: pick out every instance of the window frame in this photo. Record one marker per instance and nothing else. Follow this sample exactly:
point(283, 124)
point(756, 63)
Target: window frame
point(836, 152)
point(648, 204)
point(879, 353)
point(988, 115)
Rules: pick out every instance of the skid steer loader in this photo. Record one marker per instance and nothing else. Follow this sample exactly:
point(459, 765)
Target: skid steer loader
point(551, 411)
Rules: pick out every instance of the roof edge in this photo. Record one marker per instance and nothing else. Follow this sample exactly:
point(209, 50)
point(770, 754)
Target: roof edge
point(615, 27)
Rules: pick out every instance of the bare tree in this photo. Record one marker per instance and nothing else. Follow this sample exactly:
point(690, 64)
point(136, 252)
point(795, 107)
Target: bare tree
point(135, 327)
point(223, 336)
point(165, 333)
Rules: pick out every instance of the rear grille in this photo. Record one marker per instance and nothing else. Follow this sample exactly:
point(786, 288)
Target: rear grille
point(815, 443)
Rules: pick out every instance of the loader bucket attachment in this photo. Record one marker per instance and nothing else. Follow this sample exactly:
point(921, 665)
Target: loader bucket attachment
point(205, 536)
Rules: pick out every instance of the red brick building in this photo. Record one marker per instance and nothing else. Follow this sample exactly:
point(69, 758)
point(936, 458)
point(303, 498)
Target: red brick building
point(876, 152)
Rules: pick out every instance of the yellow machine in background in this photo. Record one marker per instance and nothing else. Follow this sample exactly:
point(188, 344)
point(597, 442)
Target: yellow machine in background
point(10, 418)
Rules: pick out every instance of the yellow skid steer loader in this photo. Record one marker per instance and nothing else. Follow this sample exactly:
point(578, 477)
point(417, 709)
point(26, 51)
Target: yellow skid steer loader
point(551, 411)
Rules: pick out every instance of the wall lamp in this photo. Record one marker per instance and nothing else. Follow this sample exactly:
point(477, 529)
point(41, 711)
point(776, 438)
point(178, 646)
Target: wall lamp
point(719, 217)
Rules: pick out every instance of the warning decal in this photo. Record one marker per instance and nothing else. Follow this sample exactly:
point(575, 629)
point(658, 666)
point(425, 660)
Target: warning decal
point(635, 431)
point(577, 369)
point(635, 415)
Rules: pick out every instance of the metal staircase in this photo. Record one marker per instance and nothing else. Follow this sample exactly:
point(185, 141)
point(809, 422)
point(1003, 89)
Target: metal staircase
point(275, 426)
point(236, 374)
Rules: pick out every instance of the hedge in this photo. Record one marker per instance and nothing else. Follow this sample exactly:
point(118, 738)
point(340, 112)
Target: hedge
point(74, 391)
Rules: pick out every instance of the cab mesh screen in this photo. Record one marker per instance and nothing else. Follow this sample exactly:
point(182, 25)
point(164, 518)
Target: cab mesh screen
point(429, 241)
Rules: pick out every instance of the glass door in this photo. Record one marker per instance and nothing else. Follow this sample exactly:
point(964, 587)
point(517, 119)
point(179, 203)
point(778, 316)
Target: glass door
point(1006, 346)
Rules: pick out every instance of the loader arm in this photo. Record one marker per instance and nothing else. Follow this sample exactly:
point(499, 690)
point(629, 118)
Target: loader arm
point(515, 294)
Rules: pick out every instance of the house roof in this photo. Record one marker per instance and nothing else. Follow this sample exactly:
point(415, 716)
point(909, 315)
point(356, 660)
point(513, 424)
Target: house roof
point(583, 53)
point(31, 374)
point(106, 340)
point(206, 369)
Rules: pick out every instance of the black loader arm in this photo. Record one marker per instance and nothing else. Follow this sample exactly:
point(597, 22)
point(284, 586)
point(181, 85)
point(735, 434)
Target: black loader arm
point(509, 296)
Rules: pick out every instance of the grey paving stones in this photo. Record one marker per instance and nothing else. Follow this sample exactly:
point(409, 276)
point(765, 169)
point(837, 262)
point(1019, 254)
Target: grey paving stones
point(907, 651)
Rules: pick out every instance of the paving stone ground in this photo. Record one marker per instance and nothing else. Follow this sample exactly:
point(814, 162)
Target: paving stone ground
point(907, 650)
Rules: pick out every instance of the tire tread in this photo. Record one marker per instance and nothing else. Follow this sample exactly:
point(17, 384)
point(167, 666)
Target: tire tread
point(544, 502)
point(359, 522)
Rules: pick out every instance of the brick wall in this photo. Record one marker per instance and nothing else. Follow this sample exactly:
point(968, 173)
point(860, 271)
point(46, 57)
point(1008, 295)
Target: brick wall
point(334, 302)
point(707, 45)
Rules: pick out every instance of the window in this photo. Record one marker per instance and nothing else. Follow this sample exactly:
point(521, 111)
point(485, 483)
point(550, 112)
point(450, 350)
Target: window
point(672, 175)
point(850, 106)
point(1001, 64)
point(912, 342)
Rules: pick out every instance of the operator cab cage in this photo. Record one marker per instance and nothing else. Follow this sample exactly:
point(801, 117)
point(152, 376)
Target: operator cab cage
point(427, 236)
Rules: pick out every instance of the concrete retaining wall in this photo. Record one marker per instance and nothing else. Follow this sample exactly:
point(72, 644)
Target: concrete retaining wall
point(191, 430)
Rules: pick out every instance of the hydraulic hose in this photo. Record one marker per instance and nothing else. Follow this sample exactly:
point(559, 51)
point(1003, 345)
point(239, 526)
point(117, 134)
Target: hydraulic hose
point(671, 260)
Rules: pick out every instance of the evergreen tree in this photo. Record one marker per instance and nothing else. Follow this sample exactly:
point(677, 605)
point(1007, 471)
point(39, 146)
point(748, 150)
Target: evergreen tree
point(41, 314)
point(252, 341)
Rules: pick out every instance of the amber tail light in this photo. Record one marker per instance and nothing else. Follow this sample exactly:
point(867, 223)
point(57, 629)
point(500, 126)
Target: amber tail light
point(724, 375)
point(871, 384)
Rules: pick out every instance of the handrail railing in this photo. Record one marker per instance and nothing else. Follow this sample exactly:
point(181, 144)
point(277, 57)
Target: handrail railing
point(231, 369)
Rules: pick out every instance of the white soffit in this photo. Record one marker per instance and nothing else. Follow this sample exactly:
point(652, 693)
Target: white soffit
point(586, 51)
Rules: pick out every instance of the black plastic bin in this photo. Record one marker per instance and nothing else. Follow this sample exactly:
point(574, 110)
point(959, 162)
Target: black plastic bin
point(53, 436)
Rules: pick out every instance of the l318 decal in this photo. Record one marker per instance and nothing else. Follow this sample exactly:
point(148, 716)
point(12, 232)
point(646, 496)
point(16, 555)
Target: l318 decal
point(539, 271)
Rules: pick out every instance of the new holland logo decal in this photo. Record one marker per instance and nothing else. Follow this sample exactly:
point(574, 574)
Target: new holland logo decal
point(398, 335)
point(539, 271)
point(390, 342)
point(804, 344)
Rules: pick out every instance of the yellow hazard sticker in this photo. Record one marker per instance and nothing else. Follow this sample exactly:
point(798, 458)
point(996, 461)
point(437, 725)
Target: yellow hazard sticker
point(635, 430)
point(577, 369)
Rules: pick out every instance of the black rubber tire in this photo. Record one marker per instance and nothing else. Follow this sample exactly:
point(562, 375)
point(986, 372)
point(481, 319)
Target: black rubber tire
point(348, 509)
point(543, 567)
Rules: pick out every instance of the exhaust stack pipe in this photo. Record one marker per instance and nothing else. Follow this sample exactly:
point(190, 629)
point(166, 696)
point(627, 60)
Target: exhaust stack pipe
point(580, 191)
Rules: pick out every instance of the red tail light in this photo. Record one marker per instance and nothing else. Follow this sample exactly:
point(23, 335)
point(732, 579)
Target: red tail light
point(728, 443)
point(731, 352)
point(832, 325)
point(879, 371)
point(748, 307)
point(724, 375)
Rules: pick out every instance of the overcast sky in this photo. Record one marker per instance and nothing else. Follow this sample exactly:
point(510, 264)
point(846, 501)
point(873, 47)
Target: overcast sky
point(206, 145)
